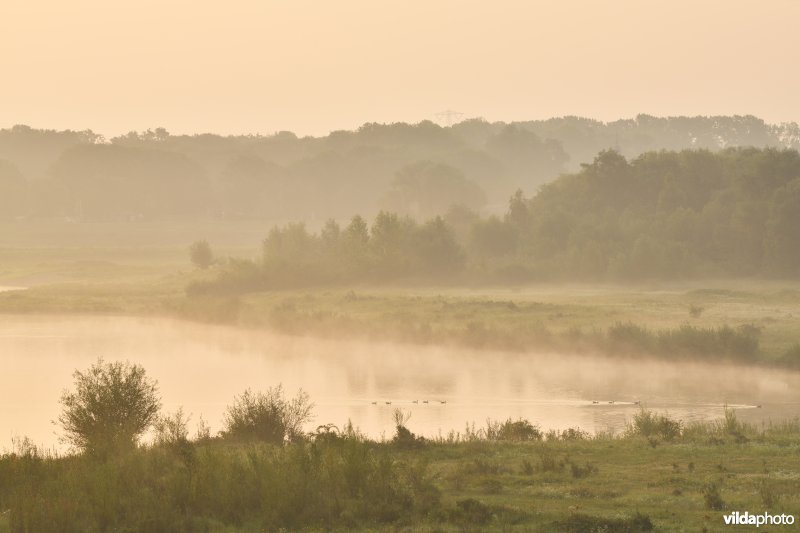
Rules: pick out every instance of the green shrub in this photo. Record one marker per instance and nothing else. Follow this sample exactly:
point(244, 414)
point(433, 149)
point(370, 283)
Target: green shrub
point(649, 424)
point(267, 416)
point(712, 497)
point(582, 523)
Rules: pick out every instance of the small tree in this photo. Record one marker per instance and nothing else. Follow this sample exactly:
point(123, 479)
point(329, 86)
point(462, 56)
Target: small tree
point(201, 255)
point(110, 408)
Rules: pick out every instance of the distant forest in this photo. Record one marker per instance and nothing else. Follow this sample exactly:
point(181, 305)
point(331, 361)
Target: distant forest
point(662, 215)
point(418, 170)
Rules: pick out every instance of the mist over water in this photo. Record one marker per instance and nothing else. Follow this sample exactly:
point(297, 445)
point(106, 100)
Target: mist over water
point(202, 367)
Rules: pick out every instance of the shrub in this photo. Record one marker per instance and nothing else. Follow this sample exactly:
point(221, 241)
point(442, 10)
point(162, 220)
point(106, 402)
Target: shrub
point(649, 424)
point(473, 512)
point(267, 416)
point(403, 437)
point(110, 408)
point(171, 429)
point(579, 471)
point(696, 310)
point(580, 523)
point(201, 255)
point(712, 498)
point(519, 430)
point(631, 336)
point(733, 426)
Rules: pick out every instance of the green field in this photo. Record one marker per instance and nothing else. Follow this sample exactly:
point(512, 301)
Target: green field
point(571, 317)
point(505, 478)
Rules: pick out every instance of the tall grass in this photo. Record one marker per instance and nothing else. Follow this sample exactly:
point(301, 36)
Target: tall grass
point(340, 482)
point(721, 342)
point(336, 479)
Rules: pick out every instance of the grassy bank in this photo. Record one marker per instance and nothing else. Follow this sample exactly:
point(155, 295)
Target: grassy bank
point(756, 322)
point(660, 475)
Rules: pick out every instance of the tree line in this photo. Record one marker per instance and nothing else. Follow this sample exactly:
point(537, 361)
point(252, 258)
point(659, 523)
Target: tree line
point(662, 215)
point(414, 169)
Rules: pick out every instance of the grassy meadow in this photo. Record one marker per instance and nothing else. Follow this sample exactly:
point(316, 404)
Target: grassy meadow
point(660, 475)
point(661, 319)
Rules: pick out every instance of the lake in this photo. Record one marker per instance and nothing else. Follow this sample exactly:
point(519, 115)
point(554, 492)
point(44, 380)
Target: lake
point(202, 367)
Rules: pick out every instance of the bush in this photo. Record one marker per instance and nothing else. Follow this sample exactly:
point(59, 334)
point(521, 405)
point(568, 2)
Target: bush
point(112, 405)
point(649, 424)
point(403, 437)
point(201, 255)
point(519, 430)
point(171, 429)
point(580, 523)
point(512, 430)
point(473, 512)
point(267, 416)
point(712, 498)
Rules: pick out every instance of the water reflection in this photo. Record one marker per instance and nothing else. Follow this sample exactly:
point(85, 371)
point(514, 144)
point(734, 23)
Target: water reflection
point(202, 367)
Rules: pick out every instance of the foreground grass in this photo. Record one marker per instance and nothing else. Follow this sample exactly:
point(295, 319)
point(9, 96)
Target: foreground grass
point(508, 477)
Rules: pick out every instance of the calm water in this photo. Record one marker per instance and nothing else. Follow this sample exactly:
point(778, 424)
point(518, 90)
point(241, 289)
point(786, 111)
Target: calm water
point(203, 367)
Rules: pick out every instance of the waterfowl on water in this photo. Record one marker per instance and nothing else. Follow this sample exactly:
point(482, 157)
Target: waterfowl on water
point(595, 401)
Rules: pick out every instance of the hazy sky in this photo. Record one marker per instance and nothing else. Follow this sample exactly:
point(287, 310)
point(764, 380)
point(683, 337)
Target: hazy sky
point(247, 66)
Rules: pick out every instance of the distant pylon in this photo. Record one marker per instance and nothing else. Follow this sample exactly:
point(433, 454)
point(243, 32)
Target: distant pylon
point(449, 117)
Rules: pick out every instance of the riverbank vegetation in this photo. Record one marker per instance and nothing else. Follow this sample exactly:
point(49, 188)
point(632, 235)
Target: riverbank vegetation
point(744, 321)
point(262, 474)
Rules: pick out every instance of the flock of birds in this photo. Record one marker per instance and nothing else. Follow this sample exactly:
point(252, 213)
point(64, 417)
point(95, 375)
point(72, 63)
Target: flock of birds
point(612, 402)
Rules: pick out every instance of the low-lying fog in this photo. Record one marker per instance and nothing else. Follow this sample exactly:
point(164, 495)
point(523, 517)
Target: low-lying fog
point(202, 367)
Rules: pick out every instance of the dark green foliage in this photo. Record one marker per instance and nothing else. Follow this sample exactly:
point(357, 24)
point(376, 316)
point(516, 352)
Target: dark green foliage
point(582, 523)
point(340, 482)
point(649, 424)
point(712, 497)
point(394, 248)
point(514, 430)
point(666, 215)
point(548, 462)
point(472, 512)
point(725, 342)
point(579, 471)
point(267, 416)
point(111, 406)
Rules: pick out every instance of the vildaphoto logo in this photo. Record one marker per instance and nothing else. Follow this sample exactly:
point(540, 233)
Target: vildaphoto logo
point(746, 519)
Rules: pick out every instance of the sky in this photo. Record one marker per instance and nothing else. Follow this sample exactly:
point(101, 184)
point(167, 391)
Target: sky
point(261, 66)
